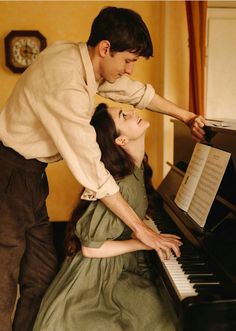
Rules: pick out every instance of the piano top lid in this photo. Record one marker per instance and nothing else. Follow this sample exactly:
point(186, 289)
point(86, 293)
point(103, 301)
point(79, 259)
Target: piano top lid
point(222, 125)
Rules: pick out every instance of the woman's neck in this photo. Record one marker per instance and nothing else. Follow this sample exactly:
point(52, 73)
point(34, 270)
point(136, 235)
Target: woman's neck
point(136, 149)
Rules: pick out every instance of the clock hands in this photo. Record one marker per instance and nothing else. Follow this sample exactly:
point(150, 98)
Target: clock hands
point(28, 50)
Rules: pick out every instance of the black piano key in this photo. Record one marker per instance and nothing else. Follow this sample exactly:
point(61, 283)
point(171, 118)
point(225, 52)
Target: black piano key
point(195, 273)
point(208, 287)
point(189, 270)
point(202, 278)
point(189, 257)
point(196, 262)
point(202, 281)
point(189, 266)
point(199, 273)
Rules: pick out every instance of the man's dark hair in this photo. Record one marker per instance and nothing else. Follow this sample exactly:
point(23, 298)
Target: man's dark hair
point(124, 29)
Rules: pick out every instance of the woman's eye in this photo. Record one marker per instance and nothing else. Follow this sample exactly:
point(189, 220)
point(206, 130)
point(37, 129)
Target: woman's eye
point(124, 115)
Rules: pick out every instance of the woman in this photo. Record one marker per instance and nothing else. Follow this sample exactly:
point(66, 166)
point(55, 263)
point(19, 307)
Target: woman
point(106, 285)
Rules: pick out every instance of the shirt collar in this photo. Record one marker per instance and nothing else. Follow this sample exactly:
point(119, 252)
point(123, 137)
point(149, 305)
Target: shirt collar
point(88, 67)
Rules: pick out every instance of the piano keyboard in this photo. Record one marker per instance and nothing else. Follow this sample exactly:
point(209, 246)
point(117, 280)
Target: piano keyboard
point(178, 278)
point(189, 274)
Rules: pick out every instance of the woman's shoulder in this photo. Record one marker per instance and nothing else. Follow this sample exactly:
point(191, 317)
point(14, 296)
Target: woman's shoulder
point(132, 182)
point(137, 174)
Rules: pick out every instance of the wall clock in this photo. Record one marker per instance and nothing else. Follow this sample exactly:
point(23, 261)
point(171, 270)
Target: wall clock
point(22, 48)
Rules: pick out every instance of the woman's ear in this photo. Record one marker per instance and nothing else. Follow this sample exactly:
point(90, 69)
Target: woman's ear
point(121, 140)
point(104, 47)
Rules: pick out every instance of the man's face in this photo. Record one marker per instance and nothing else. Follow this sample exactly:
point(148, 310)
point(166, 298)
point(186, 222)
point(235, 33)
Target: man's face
point(115, 65)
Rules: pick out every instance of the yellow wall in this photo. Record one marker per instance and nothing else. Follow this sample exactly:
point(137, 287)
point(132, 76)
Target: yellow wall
point(71, 20)
point(175, 68)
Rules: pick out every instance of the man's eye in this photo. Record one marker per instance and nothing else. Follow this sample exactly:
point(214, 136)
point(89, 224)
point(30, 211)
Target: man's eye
point(124, 115)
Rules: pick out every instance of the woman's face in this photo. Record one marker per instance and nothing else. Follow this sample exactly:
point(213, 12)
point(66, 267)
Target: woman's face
point(128, 123)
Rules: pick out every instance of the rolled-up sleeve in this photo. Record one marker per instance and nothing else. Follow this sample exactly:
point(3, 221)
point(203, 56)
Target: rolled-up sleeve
point(108, 188)
point(126, 90)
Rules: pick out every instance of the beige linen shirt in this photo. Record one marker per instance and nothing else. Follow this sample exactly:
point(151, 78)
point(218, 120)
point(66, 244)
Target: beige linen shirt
point(47, 117)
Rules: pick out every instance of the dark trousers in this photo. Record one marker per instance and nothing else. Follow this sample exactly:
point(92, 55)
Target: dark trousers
point(27, 254)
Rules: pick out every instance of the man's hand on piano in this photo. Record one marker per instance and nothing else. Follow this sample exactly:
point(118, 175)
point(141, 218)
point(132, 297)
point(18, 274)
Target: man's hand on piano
point(163, 244)
point(196, 124)
point(168, 243)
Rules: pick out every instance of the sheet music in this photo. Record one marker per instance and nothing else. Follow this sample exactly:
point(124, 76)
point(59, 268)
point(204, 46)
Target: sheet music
point(192, 176)
point(208, 185)
point(201, 181)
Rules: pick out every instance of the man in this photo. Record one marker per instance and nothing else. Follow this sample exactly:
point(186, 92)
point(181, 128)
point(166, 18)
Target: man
point(46, 119)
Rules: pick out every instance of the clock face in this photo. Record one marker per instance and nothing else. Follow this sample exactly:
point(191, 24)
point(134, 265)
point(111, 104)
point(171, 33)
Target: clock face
point(22, 48)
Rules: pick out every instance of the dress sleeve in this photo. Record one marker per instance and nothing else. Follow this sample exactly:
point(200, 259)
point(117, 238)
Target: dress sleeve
point(99, 224)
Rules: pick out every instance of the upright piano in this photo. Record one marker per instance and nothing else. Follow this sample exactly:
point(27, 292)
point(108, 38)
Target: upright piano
point(200, 286)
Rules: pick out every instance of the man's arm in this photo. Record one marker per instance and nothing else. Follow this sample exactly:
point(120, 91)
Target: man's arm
point(162, 243)
point(126, 90)
point(166, 107)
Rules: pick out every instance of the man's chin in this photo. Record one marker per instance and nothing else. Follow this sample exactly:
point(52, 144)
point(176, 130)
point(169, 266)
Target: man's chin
point(113, 80)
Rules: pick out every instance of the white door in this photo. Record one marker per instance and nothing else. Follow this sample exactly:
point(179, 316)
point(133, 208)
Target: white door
point(221, 64)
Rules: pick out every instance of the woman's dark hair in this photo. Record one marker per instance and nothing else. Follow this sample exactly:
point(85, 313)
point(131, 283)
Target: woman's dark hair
point(124, 29)
point(116, 160)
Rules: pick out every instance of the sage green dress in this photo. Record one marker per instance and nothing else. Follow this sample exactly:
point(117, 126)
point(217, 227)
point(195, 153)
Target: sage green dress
point(105, 294)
